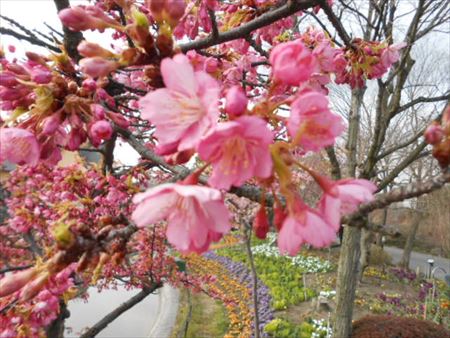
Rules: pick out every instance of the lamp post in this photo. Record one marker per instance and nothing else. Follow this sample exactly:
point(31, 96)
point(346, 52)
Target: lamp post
point(430, 262)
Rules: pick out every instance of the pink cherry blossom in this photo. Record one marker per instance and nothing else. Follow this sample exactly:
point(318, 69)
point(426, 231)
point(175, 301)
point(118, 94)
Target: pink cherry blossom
point(311, 124)
point(238, 150)
point(342, 197)
point(97, 66)
point(236, 101)
point(18, 146)
point(292, 63)
point(183, 111)
point(195, 215)
point(391, 54)
point(304, 225)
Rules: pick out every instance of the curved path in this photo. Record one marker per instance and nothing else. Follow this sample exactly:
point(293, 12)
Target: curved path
point(167, 312)
point(134, 323)
point(419, 260)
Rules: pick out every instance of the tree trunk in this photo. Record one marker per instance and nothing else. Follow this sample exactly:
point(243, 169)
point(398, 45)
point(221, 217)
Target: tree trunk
point(347, 281)
point(56, 328)
point(350, 248)
point(366, 241)
point(404, 263)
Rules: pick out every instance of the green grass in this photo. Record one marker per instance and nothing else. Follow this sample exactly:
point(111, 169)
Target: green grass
point(208, 318)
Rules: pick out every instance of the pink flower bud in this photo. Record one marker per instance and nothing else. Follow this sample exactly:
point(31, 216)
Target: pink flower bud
point(50, 124)
point(292, 63)
point(236, 101)
point(90, 85)
point(279, 215)
point(15, 281)
point(98, 66)
point(211, 65)
point(157, 9)
point(11, 94)
point(175, 10)
point(8, 79)
point(98, 111)
point(76, 138)
point(41, 76)
point(434, 133)
point(101, 130)
point(90, 49)
point(119, 120)
point(76, 19)
point(82, 18)
point(261, 224)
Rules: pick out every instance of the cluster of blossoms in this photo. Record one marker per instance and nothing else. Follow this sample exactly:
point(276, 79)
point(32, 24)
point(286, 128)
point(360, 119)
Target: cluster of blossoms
point(224, 106)
point(47, 111)
point(438, 135)
point(71, 217)
point(186, 114)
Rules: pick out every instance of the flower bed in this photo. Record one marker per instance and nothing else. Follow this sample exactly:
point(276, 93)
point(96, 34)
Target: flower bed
point(229, 290)
point(243, 274)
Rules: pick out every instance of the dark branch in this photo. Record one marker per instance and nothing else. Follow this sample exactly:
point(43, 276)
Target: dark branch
point(94, 330)
point(422, 99)
point(242, 31)
point(33, 40)
point(71, 38)
point(14, 268)
point(336, 22)
point(398, 195)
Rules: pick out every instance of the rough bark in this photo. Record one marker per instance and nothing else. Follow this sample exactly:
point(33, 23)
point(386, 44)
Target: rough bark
point(347, 281)
point(350, 248)
point(56, 328)
point(366, 241)
point(404, 263)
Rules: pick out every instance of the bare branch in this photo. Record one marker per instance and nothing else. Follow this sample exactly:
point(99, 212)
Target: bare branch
point(103, 323)
point(335, 167)
point(242, 31)
point(337, 24)
point(402, 165)
point(215, 30)
point(34, 40)
point(398, 195)
point(14, 268)
point(422, 99)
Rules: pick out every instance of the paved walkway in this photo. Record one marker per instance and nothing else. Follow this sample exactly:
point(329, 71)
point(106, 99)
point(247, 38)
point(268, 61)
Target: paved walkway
point(167, 312)
point(420, 260)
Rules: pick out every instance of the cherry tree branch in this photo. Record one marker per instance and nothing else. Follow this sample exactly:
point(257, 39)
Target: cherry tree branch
point(422, 99)
point(14, 268)
point(398, 195)
point(71, 38)
point(289, 8)
point(34, 40)
point(251, 192)
point(336, 22)
point(105, 321)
